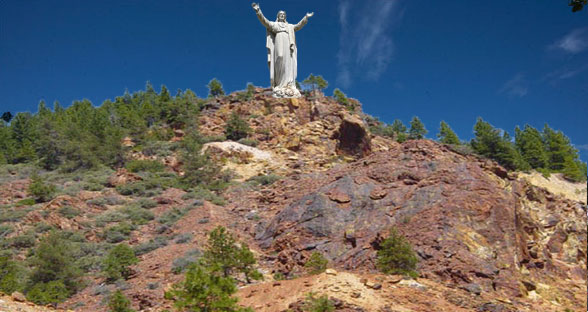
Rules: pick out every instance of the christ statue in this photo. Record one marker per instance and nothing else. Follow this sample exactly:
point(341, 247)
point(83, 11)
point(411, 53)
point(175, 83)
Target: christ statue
point(281, 52)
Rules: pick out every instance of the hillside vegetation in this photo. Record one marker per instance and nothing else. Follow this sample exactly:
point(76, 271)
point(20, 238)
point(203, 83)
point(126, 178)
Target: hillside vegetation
point(117, 207)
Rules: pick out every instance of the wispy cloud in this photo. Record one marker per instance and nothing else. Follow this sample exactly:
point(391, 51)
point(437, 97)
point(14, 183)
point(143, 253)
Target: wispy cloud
point(366, 47)
point(565, 73)
point(574, 42)
point(515, 87)
point(582, 147)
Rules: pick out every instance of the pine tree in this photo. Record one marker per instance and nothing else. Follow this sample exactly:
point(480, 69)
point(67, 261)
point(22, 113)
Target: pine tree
point(215, 88)
point(117, 262)
point(399, 130)
point(396, 256)
point(119, 303)
point(221, 250)
point(245, 262)
point(446, 135)
point(236, 128)
point(205, 290)
point(6, 116)
point(530, 144)
point(315, 83)
point(417, 129)
point(54, 265)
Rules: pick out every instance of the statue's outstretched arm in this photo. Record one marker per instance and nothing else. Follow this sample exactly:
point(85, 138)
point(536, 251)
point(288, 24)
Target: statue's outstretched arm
point(303, 21)
point(260, 16)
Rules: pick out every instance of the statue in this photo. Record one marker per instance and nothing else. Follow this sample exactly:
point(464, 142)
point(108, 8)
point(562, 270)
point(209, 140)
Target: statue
point(281, 52)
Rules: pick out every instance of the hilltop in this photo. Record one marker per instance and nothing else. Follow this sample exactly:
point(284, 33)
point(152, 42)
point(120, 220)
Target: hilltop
point(308, 175)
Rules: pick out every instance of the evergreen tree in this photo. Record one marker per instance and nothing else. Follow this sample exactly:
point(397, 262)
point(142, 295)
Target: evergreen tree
point(530, 144)
point(215, 88)
point(149, 88)
point(245, 262)
point(119, 303)
point(446, 135)
point(417, 129)
point(6, 116)
point(117, 262)
point(342, 99)
point(489, 143)
point(12, 276)
point(315, 82)
point(236, 128)
point(53, 266)
point(205, 290)
point(396, 256)
point(198, 168)
point(399, 130)
point(221, 250)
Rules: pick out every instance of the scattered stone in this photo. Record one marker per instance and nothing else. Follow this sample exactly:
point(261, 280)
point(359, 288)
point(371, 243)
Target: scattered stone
point(122, 176)
point(338, 196)
point(491, 307)
point(355, 294)
point(530, 286)
point(378, 193)
point(18, 297)
point(413, 284)
point(473, 288)
point(330, 272)
point(395, 278)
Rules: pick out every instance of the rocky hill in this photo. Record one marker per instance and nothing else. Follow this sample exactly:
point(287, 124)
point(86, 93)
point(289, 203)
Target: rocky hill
point(487, 239)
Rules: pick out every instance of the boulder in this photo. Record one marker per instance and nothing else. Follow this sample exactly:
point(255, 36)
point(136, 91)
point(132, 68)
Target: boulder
point(353, 138)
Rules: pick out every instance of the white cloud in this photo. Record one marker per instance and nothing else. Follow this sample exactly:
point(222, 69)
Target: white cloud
point(515, 87)
point(574, 42)
point(582, 147)
point(366, 47)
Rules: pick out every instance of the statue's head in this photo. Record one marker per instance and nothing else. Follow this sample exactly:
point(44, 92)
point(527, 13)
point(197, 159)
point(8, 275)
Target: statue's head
point(281, 16)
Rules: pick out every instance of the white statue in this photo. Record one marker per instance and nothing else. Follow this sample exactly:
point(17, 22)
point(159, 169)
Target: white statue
point(281, 52)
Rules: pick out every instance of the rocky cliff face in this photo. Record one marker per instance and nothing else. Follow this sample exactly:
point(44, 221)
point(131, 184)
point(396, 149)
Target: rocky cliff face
point(486, 239)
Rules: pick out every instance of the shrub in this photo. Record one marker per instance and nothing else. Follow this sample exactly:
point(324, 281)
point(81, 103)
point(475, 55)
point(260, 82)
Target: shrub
point(318, 304)
point(316, 263)
point(26, 202)
point(55, 275)
point(236, 128)
point(204, 289)
point(41, 190)
point(396, 256)
point(117, 262)
point(69, 212)
point(173, 215)
point(118, 233)
point(42, 227)
point(11, 276)
point(265, 179)
point(190, 257)
point(184, 238)
point(147, 203)
point(151, 245)
point(137, 165)
point(51, 292)
point(136, 215)
point(5, 229)
point(23, 241)
point(119, 303)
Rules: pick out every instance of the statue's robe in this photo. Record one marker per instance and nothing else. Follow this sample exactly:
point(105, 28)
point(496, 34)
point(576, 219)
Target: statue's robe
point(282, 53)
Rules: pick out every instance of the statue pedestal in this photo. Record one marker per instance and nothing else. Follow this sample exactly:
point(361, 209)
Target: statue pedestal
point(286, 92)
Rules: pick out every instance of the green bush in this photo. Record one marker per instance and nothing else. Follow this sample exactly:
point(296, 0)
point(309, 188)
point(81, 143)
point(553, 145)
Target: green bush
point(119, 303)
point(396, 256)
point(184, 238)
point(317, 263)
point(236, 128)
point(190, 257)
point(116, 264)
point(12, 276)
point(248, 142)
point(137, 165)
point(117, 233)
point(151, 245)
point(23, 241)
point(265, 179)
point(215, 88)
point(55, 275)
point(147, 203)
point(41, 191)
point(318, 304)
point(69, 212)
point(52, 292)
point(5, 229)
point(26, 202)
point(204, 289)
point(173, 215)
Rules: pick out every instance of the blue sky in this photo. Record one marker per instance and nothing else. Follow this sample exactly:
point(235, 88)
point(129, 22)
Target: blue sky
point(510, 62)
